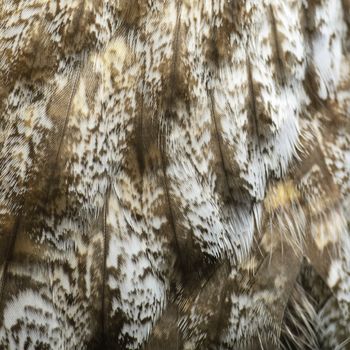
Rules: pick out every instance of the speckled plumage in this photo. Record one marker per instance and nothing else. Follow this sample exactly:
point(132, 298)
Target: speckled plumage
point(174, 174)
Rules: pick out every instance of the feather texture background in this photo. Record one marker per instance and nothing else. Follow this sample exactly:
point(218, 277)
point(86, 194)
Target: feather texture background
point(174, 174)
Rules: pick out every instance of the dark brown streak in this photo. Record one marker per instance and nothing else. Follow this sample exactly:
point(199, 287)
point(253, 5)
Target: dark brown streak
point(139, 140)
point(171, 88)
point(218, 138)
point(66, 119)
point(171, 214)
point(175, 50)
point(253, 103)
point(279, 61)
point(346, 16)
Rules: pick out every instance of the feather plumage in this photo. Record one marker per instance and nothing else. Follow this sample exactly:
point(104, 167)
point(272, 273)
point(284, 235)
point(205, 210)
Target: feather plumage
point(174, 174)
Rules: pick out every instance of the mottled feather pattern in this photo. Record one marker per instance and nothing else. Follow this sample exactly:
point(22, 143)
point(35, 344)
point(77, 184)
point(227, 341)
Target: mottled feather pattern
point(174, 174)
